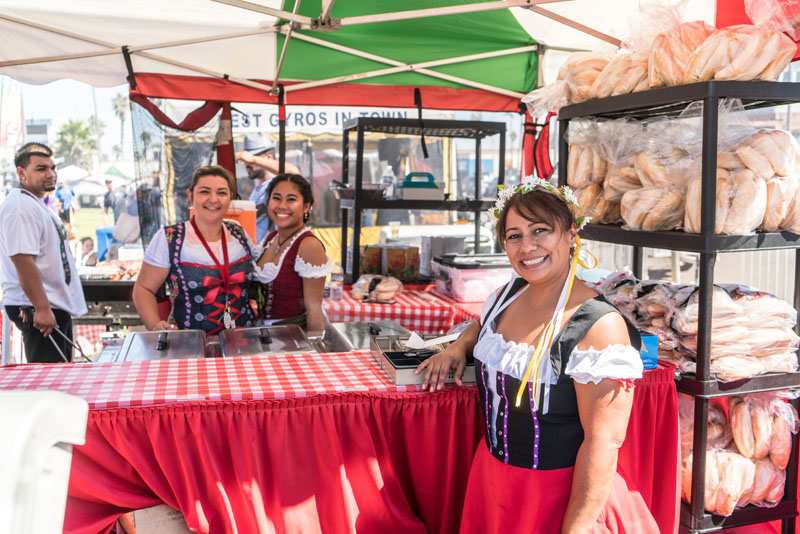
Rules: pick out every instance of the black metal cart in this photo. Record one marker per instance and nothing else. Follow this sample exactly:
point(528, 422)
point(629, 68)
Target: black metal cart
point(669, 102)
point(109, 303)
point(476, 130)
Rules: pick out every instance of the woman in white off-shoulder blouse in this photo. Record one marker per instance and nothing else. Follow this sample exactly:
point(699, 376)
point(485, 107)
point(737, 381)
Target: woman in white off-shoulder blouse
point(292, 268)
point(554, 364)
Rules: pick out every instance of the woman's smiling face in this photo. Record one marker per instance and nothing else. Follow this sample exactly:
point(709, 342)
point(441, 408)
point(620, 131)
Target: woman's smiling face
point(285, 206)
point(210, 198)
point(537, 250)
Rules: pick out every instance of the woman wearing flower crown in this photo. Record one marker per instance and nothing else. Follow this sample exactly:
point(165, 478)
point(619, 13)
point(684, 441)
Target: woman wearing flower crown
point(554, 363)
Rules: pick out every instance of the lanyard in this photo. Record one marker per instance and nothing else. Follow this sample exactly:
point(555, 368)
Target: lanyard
point(223, 268)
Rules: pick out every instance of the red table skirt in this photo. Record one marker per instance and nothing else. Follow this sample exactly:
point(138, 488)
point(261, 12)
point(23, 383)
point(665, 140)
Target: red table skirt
point(353, 462)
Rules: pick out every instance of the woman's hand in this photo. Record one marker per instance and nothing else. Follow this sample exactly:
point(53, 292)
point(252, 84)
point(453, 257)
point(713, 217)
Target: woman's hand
point(164, 325)
point(438, 366)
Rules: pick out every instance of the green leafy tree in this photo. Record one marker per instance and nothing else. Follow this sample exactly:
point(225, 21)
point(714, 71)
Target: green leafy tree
point(76, 143)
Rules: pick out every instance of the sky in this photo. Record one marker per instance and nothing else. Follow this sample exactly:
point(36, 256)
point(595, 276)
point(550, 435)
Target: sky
point(64, 100)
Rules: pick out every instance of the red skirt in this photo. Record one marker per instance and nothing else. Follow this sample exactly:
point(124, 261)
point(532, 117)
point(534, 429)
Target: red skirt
point(503, 499)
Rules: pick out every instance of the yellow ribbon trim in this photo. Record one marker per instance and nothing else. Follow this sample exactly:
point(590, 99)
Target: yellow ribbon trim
point(546, 338)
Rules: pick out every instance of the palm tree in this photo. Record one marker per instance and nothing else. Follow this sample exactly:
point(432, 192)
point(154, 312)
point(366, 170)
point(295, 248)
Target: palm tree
point(120, 105)
point(76, 143)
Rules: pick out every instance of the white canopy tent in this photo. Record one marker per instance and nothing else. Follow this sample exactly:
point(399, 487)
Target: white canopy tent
point(237, 39)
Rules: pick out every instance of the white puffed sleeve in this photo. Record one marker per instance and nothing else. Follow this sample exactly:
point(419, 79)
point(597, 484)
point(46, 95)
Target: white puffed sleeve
point(307, 270)
point(616, 362)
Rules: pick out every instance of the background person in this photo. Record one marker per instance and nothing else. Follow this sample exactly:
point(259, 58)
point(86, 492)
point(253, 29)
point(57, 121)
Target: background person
point(110, 201)
point(259, 159)
point(66, 198)
point(87, 254)
point(41, 288)
point(207, 261)
point(292, 268)
point(556, 405)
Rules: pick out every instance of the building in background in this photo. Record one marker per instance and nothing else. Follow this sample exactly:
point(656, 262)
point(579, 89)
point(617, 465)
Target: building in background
point(38, 131)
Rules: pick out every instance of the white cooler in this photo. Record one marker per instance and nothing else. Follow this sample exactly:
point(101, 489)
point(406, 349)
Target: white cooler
point(470, 278)
point(40, 428)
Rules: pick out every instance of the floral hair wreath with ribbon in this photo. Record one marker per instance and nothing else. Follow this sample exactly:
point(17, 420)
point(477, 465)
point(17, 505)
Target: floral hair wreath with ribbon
point(531, 184)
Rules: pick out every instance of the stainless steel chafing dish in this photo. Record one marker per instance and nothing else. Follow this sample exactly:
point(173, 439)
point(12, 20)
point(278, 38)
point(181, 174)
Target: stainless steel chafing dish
point(162, 345)
point(399, 361)
point(359, 333)
point(275, 339)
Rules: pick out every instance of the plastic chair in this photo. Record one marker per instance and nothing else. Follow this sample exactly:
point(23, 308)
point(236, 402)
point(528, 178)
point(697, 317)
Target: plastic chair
point(105, 238)
point(40, 429)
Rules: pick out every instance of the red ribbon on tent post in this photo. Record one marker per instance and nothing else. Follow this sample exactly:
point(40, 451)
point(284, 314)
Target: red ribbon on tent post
point(224, 141)
point(197, 119)
point(194, 120)
point(541, 150)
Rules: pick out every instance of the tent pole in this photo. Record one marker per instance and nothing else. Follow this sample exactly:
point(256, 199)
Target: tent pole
point(264, 10)
point(400, 67)
point(207, 72)
point(577, 25)
point(58, 31)
point(327, 7)
point(142, 48)
point(285, 46)
point(440, 11)
point(281, 131)
point(411, 67)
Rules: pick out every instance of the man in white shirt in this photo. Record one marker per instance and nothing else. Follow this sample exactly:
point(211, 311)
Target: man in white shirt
point(41, 287)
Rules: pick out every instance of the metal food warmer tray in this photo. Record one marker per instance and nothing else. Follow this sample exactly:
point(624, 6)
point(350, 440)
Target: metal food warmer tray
point(160, 345)
point(399, 361)
point(263, 340)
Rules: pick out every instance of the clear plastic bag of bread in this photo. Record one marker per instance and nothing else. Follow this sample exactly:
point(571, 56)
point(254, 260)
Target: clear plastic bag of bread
point(718, 435)
point(742, 52)
point(741, 196)
point(626, 73)
point(572, 85)
point(585, 164)
point(761, 307)
point(618, 141)
point(669, 55)
point(592, 204)
point(620, 290)
point(376, 288)
point(729, 477)
point(661, 32)
point(762, 425)
point(725, 311)
point(653, 208)
point(659, 204)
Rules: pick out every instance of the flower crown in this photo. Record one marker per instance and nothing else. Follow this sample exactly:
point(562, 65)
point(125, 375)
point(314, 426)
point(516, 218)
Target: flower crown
point(530, 184)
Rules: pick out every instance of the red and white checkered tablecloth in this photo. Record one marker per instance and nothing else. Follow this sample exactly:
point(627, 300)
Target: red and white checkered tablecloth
point(418, 311)
point(261, 377)
point(463, 311)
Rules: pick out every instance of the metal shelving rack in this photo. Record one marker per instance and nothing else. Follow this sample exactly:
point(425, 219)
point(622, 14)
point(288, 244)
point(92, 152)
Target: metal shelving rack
point(477, 130)
point(669, 102)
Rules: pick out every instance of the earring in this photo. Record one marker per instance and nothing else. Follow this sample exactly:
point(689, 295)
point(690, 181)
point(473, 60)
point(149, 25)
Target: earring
point(306, 216)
